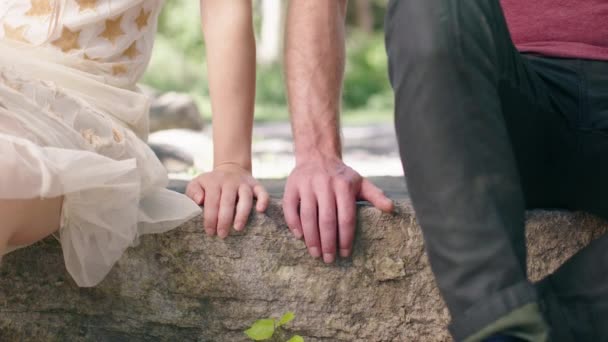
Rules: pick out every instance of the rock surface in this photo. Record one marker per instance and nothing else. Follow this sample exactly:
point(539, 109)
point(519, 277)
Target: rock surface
point(174, 159)
point(183, 286)
point(185, 145)
point(175, 110)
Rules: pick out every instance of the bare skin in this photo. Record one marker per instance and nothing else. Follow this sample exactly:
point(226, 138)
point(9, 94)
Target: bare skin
point(321, 192)
point(228, 191)
point(27, 221)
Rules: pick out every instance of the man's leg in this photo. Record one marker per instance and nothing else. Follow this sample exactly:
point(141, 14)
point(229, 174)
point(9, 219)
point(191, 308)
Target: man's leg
point(448, 61)
point(576, 295)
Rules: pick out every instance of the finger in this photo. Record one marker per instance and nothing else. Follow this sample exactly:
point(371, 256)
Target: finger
point(243, 207)
point(291, 201)
point(375, 196)
point(211, 209)
point(328, 226)
point(309, 222)
point(226, 213)
point(263, 199)
point(196, 192)
point(347, 215)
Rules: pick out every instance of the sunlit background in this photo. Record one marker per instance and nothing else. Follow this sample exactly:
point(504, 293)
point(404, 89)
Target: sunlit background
point(178, 65)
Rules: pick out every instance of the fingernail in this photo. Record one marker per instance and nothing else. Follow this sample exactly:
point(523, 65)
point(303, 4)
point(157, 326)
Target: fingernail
point(315, 252)
point(298, 234)
point(328, 258)
point(222, 234)
point(198, 198)
point(238, 227)
point(345, 253)
point(209, 232)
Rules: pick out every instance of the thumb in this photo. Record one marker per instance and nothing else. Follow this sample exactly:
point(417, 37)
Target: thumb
point(196, 192)
point(375, 196)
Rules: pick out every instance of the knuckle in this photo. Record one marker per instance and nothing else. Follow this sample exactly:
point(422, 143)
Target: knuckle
point(291, 224)
point(209, 223)
point(240, 222)
point(321, 181)
point(327, 224)
point(244, 205)
point(210, 217)
point(291, 220)
point(344, 185)
point(264, 194)
point(310, 243)
point(348, 233)
point(348, 221)
point(329, 248)
point(308, 216)
point(223, 224)
point(342, 182)
point(228, 199)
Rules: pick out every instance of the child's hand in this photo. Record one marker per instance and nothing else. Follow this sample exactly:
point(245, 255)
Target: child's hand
point(227, 196)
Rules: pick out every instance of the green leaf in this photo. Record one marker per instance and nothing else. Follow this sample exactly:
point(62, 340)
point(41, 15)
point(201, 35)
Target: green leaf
point(288, 317)
point(261, 330)
point(296, 338)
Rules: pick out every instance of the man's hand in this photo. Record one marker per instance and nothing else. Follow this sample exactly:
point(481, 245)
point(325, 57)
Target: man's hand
point(321, 193)
point(320, 205)
point(227, 196)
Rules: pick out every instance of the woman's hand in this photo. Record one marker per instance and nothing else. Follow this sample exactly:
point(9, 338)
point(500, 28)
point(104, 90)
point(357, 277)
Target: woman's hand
point(227, 195)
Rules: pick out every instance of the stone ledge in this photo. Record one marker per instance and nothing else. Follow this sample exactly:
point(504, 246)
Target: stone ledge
point(185, 286)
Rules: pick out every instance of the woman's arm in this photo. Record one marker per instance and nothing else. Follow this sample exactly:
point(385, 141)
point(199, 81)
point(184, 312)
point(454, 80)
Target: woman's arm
point(227, 192)
point(230, 44)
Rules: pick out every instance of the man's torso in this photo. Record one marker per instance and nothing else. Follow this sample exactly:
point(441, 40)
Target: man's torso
point(559, 28)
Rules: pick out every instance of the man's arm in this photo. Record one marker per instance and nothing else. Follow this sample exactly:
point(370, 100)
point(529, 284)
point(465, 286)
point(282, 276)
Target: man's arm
point(321, 185)
point(314, 60)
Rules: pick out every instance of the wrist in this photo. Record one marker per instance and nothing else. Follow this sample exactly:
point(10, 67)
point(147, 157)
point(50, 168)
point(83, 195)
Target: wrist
point(318, 143)
point(314, 154)
point(232, 165)
point(231, 156)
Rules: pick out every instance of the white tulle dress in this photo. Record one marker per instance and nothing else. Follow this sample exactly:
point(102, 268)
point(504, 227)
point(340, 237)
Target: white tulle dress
point(73, 124)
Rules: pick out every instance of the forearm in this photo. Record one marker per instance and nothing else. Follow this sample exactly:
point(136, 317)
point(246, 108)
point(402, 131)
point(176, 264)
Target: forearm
point(314, 58)
point(230, 45)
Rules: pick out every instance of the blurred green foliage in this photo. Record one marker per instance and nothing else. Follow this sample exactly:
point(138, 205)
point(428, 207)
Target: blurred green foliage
point(178, 64)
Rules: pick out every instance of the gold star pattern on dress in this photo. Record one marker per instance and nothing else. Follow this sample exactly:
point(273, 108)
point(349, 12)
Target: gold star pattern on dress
point(142, 19)
point(11, 83)
point(84, 5)
point(89, 58)
point(39, 8)
point(132, 51)
point(117, 135)
point(119, 69)
point(68, 40)
point(91, 137)
point(15, 33)
point(113, 30)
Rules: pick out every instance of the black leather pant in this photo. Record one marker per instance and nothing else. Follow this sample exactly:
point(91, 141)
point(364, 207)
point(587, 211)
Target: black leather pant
point(484, 133)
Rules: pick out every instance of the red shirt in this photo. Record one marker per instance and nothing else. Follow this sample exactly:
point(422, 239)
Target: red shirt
point(559, 28)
